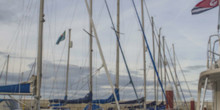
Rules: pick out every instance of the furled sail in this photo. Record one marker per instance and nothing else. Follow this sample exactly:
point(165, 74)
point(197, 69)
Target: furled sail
point(109, 99)
point(94, 107)
point(141, 100)
point(24, 88)
point(86, 99)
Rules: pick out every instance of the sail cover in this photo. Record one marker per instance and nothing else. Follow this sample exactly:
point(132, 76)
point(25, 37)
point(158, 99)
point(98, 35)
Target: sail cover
point(86, 99)
point(109, 99)
point(94, 107)
point(141, 100)
point(25, 88)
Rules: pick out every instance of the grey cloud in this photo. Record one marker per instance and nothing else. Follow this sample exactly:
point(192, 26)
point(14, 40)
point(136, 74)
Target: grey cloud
point(2, 53)
point(53, 82)
point(195, 67)
point(8, 15)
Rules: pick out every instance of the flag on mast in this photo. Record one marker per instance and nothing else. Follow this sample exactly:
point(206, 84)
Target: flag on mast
point(61, 38)
point(204, 5)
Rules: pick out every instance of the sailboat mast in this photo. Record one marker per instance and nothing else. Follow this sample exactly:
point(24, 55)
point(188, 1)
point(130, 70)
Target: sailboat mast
point(218, 27)
point(176, 78)
point(159, 62)
point(164, 65)
point(153, 34)
point(117, 46)
point(39, 55)
point(90, 55)
point(67, 69)
point(144, 55)
point(174, 64)
point(102, 56)
point(6, 77)
point(219, 22)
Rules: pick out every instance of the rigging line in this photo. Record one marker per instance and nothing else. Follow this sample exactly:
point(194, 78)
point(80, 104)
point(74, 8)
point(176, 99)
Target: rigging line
point(155, 68)
point(50, 16)
point(25, 23)
point(30, 23)
point(81, 71)
point(23, 28)
point(25, 34)
point(100, 14)
point(172, 62)
point(47, 10)
point(3, 68)
point(156, 38)
point(65, 14)
point(171, 76)
point(87, 76)
point(74, 11)
point(50, 44)
point(147, 71)
point(122, 53)
point(148, 13)
point(64, 23)
point(58, 66)
point(31, 69)
point(17, 32)
point(183, 75)
point(50, 31)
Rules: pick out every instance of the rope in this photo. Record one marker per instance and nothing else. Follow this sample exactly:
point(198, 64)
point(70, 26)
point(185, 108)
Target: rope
point(149, 51)
point(172, 62)
point(58, 67)
point(184, 76)
point(95, 73)
point(3, 69)
point(123, 56)
point(168, 49)
point(32, 68)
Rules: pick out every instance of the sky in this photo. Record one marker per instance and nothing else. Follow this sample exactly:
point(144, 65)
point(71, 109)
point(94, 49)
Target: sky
point(19, 31)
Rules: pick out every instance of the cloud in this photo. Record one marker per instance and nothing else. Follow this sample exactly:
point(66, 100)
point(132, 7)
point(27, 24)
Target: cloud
point(8, 15)
point(196, 67)
point(189, 69)
point(3, 53)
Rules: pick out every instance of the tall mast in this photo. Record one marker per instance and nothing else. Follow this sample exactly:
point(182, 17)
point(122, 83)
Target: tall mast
point(6, 77)
point(90, 55)
point(159, 62)
point(176, 78)
point(39, 56)
point(67, 69)
point(144, 55)
point(219, 23)
point(117, 46)
point(155, 97)
point(174, 64)
point(164, 65)
point(102, 56)
point(218, 27)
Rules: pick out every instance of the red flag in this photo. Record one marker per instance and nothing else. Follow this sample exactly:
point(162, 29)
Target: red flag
point(204, 5)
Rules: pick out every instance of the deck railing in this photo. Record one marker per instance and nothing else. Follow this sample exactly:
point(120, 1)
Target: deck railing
point(213, 55)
